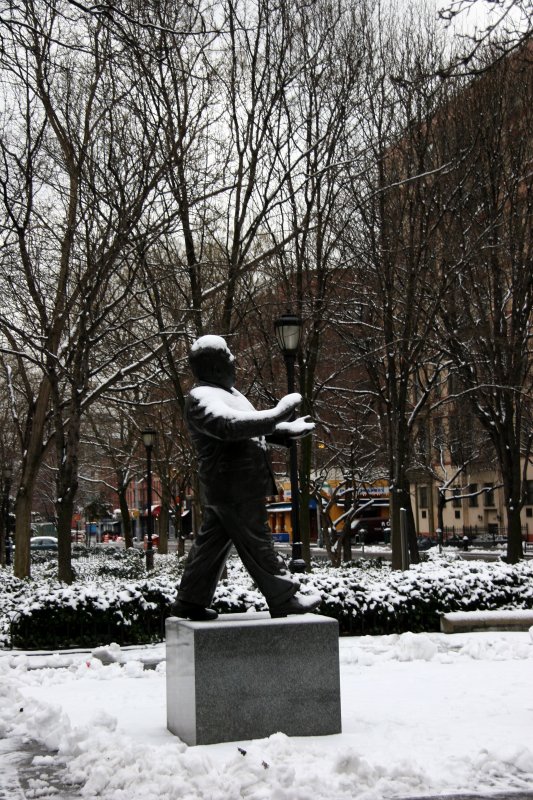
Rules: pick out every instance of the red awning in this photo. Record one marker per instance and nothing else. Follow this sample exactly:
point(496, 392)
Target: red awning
point(156, 511)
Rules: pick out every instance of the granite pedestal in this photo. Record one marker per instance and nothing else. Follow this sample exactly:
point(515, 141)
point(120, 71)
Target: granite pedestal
point(247, 676)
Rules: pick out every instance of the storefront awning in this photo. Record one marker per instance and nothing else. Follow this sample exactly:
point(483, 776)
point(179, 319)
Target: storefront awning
point(275, 507)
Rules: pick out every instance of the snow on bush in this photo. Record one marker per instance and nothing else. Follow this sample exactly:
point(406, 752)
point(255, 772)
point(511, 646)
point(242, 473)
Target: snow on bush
point(114, 600)
point(379, 601)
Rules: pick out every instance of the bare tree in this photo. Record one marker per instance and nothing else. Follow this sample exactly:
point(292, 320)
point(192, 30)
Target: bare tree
point(487, 313)
point(111, 437)
point(447, 443)
point(319, 107)
point(81, 164)
point(392, 236)
point(506, 26)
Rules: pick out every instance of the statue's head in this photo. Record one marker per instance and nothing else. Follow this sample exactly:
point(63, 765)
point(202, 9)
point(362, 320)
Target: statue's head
point(212, 362)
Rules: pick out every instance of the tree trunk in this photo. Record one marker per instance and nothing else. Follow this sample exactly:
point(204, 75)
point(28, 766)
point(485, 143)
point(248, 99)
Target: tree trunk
point(401, 498)
point(30, 467)
point(67, 486)
point(327, 527)
point(509, 458)
point(67, 439)
point(414, 555)
point(3, 532)
point(163, 524)
point(22, 561)
point(396, 542)
point(125, 516)
point(347, 540)
point(515, 548)
point(64, 511)
point(440, 519)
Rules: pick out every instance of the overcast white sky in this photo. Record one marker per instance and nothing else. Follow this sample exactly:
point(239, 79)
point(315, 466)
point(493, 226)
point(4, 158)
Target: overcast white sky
point(481, 13)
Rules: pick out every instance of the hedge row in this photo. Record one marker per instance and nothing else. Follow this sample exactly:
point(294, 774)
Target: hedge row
point(113, 600)
point(367, 602)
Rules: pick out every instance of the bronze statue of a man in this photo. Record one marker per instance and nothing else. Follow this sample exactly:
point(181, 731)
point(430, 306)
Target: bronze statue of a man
point(230, 438)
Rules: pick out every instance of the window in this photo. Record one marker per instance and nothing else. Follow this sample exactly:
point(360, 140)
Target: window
point(424, 514)
point(489, 495)
point(422, 440)
point(529, 493)
point(529, 512)
point(438, 432)
point(452, 383)
point(457, 515)
point(423, 496)
point(474, 498)
point(456, 499)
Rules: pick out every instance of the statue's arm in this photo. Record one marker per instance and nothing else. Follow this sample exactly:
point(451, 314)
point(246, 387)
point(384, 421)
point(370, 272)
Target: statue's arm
point(286, 432)
point(228, 424)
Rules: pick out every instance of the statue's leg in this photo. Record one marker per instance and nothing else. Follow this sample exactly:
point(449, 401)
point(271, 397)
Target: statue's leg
point(205, 562)
point(247, 525)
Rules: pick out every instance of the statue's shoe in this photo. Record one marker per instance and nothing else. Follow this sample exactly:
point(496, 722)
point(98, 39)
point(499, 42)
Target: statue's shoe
point(298, 604)
point(192, 611)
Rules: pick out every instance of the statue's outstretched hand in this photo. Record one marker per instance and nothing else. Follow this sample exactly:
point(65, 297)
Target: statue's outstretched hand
point(286, 406)
point(298, 428)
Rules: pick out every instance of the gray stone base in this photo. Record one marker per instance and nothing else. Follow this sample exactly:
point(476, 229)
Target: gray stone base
point(247, 676)
point(505, 620)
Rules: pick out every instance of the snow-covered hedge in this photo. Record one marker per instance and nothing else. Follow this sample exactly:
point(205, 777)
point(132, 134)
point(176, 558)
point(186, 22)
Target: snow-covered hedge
point(378, 601)
point(113, 600)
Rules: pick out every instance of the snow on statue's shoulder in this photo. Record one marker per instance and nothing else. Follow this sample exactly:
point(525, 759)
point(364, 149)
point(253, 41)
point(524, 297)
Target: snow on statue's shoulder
point(234, 405)
point(228, 405)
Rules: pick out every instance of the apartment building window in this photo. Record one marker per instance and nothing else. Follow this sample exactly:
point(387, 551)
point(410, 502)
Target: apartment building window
point(438, 432)
point(452, 383)
point(423, 499)
point(456, 502)
point(489, 495)
point(422, 440)
point(529, 493)
point(474, 498)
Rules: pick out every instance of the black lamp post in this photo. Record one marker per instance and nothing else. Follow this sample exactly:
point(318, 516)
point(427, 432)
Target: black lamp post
point(149, 437)
point(7, 473)
point(288, 328)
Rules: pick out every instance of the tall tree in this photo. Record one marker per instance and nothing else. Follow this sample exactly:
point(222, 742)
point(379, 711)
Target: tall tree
point(319, 109)
point(487, 311)
point(394, 208)
point(81, 164)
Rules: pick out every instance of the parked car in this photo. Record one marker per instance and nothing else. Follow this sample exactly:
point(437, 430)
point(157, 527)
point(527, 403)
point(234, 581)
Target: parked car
point(373, 524)
point(43, 543)
point(456, 541)
point(425, 543)
point(483, 542)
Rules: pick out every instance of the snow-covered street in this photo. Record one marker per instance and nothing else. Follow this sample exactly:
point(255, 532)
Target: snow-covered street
point(423, 714)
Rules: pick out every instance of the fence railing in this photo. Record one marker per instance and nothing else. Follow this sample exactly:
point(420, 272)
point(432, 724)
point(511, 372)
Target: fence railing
point(489, 535)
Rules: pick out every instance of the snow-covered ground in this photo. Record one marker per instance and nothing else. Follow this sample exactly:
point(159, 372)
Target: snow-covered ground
point(422, 714)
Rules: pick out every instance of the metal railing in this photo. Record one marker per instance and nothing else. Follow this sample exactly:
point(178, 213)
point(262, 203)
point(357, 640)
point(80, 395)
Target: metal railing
point(488, 535)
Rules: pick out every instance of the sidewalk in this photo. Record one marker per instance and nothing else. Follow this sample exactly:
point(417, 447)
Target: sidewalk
point(26, 772)
point(499, 796)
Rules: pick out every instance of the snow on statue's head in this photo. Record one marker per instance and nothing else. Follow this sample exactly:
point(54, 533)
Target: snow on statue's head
point(212, 362)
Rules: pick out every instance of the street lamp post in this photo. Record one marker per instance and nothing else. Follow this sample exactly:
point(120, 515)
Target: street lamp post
point(149, 436)
point(288, 328)
point(7, 473)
